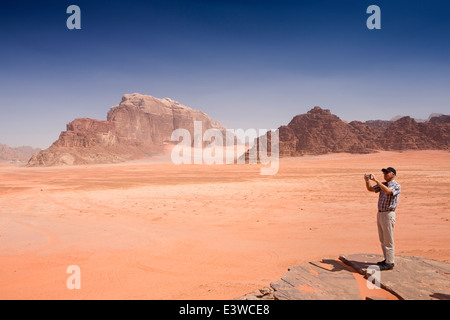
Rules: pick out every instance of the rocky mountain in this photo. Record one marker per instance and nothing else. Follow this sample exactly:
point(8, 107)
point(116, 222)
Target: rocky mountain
point(440, 119)
point(320, 132)
point(140, 125)
point(19, 154)
point(383, 124)
point(408, 134)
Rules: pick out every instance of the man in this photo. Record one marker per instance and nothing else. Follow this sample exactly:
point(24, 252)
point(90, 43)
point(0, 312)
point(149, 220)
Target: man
point(387, 203)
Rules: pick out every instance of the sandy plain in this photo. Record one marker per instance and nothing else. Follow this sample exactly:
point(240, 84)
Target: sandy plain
point(164, 231)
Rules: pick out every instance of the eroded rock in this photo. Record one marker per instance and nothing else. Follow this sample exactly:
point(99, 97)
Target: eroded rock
point(413, 278)
point(139, 126)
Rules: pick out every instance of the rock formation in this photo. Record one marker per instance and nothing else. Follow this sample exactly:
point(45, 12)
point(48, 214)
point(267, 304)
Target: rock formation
point(142, 125)
point(19, 154)
point(440, 119)
point(407, 134)
point(413, 278)
point(320, 132)
point(139, 126)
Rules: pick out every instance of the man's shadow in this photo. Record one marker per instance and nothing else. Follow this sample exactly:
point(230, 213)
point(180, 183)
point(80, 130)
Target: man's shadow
point(336, 265)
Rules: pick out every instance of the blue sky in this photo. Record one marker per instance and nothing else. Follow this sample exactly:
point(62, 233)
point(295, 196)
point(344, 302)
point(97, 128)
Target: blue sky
point(249, 64)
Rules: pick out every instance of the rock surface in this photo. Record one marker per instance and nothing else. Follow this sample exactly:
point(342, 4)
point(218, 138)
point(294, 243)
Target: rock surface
point(139, 126)
point(413, 278)
point(319, 132)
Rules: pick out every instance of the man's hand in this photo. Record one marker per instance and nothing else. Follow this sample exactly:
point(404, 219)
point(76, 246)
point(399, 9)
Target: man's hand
point(369, 177)
point(382, 186)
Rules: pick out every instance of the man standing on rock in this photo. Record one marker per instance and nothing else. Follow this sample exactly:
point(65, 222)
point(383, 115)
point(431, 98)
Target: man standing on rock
point(387, 203)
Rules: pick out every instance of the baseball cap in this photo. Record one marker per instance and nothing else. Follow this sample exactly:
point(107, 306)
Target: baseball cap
point(389, 169)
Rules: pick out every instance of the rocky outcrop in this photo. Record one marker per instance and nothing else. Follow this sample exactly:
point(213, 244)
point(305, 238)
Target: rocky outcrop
point(16, 155)
point(440, 119)
point(320, 132)
point(381, 124)
point(139, 126)
point(413, 278)
point(408, 134)
point(141, 119)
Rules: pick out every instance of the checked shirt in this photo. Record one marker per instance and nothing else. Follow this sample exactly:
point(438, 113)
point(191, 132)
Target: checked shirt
point(388, 202)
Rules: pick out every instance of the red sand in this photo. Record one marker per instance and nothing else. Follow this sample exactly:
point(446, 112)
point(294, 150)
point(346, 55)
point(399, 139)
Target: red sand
point(162, 231)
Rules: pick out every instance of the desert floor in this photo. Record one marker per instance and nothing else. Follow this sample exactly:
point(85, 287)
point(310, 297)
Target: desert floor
point(165, 231)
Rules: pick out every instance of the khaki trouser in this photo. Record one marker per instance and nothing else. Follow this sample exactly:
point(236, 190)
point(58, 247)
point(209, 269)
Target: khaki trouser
point(386, 222)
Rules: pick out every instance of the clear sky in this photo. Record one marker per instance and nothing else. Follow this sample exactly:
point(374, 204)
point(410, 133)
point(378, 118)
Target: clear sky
point(249, 64)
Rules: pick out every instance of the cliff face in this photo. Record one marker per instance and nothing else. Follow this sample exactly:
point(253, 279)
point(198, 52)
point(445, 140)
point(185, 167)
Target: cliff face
point(86, 133)
point(440, 119)
point(320, 132)
point(140, 125)
point(407, 134)
point(145, 119)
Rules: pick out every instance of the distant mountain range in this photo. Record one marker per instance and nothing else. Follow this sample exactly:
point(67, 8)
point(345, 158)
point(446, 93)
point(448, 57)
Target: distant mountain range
point(433, 115)
point(16, 155)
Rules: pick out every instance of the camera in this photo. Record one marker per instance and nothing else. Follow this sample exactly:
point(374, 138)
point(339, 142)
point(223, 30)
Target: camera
point(367, 176)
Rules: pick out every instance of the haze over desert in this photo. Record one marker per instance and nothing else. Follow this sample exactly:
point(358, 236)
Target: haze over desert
point(156, 230)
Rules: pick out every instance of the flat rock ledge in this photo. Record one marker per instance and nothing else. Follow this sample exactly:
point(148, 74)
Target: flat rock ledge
point(413, 278)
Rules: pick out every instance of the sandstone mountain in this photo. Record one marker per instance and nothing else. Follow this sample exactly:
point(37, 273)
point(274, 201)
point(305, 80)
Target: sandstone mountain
point(407, 134)
point(320, 132)
point(142, 125)
point(19, 154)
point(139, 126)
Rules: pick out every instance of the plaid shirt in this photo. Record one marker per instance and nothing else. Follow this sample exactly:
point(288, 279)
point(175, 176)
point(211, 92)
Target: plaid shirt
point(388, 202)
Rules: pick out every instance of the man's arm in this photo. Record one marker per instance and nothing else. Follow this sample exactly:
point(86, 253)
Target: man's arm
point(368, 185)
point(382, 186)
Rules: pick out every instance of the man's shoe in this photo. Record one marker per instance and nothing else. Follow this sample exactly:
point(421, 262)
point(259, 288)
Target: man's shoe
point(380, 263)
point(386, 266)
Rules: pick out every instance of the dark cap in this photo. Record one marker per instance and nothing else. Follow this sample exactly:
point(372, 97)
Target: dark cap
point(389, 169)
